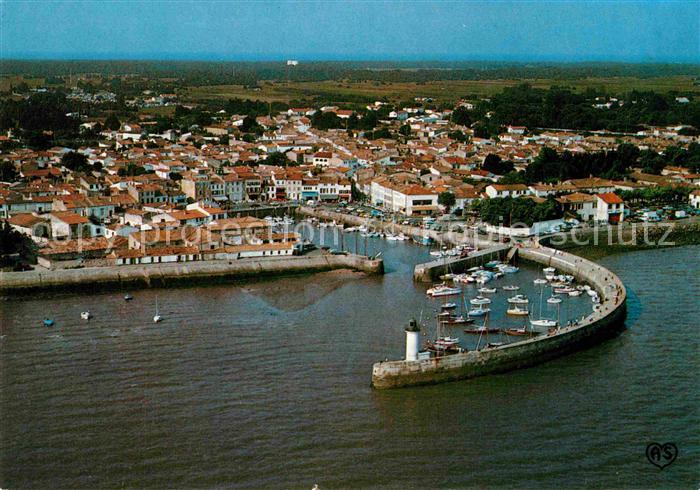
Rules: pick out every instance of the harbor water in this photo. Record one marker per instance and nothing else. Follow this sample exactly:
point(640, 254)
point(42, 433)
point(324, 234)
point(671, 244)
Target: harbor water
point(266, 384)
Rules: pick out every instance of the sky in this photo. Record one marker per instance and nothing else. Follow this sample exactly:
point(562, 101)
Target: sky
point(573, 30)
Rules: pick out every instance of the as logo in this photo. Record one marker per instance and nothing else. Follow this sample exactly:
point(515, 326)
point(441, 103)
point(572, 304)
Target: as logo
point(662, 455)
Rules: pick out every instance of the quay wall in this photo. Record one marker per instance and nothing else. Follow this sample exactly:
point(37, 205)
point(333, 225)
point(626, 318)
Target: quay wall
point(452, 238)
point(599, 325)
point(171, 274)
point(430, 271)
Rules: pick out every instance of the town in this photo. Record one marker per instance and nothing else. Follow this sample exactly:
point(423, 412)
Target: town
point(149, 189)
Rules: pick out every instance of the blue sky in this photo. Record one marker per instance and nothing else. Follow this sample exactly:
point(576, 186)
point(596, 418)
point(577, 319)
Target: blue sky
point(637, 31)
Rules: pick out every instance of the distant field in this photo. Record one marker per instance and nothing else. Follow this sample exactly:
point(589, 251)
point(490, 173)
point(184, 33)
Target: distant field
point(442, 91)
point(13, 80)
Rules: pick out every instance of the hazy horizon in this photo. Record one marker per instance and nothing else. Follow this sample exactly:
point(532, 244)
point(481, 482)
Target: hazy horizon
point(502, 31)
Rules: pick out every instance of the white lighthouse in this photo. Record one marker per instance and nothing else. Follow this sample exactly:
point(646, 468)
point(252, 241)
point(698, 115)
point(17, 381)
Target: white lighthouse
point(412, 340)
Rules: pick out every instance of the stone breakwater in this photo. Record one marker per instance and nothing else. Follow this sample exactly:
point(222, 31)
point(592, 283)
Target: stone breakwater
point(603, 323)
point(177, 273)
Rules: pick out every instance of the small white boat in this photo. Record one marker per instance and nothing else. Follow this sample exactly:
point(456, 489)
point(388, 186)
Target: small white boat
point(449, 306)
point(478, 311)
point(480, 300)
point(543, 323)
point(442, 290)
point(511, 288)
point(517, 311)
point(554, 300)
point(157, 317)
point(574, 293)
point(592, 292)
point(549, 270)
point(487, 290)
point(85, 315)
point(518, 300)
point(540, 281)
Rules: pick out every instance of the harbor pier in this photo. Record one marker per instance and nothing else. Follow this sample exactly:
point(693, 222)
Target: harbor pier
point(430, 271)
point(605, 321)
point(156, 275)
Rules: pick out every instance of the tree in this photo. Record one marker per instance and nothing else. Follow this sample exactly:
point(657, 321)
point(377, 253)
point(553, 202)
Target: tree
point(112, 122)
point(495, 165)
point(250, 125)
point(77, 162)
point(461, 116)
point(8, 172)
point(175, 176)
point(405, 130)
point(278, 159)
point(447, 199)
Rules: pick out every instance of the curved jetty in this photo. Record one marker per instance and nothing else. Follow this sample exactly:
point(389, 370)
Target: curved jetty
point(602, 323)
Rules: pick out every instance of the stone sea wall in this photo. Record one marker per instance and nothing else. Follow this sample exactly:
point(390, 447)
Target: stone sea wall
point(603, 323)
point(170, 274)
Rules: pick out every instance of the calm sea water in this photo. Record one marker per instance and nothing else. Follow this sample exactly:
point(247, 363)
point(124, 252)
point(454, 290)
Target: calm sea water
point(266, 384)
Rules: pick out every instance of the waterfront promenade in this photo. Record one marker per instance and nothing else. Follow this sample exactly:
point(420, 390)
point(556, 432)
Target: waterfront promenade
point(469, 238)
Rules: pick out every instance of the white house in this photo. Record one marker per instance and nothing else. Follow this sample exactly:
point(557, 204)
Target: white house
point(507, 190)
point(583, 205)
point(695, 199)
point(408, 199)
point(610, 208)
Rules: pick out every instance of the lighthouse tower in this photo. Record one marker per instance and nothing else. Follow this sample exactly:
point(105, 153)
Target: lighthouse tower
point(412, 340)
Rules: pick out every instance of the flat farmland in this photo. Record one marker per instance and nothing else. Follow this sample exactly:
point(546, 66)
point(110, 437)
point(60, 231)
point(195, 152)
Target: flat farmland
point(441, 91)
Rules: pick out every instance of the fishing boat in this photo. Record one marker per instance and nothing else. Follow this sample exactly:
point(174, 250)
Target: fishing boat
point(518, 299)
point(492, 264)
point(520, 332)
point(85, 315)
point(157, 317)
point(448, 306)
point(442, 290)
point(517, 311)
point(511, 288)
point(566, 290)
point(444, 344)
point(128, 297)
point(457, 320)
point(482, 329)
point(480, 300)
point(48, 322)
point(487, 290)
point(554, 300)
